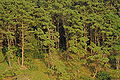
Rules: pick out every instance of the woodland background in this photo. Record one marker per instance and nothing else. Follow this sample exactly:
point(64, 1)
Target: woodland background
point(60, 39)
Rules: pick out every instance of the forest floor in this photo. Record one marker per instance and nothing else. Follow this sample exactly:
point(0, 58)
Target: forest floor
point(39, 70)
point(39, 74)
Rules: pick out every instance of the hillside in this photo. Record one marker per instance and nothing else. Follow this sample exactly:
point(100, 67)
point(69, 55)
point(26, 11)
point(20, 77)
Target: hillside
point(59, 39)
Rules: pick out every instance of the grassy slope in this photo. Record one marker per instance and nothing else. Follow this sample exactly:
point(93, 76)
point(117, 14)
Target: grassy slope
point(40, 72)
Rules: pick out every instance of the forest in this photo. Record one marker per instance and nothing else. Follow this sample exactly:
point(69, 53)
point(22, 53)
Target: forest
point(59, 39)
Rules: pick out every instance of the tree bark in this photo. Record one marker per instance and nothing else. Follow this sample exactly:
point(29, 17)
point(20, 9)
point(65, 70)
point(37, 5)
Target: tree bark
point(8, 54)
point(22, 45)
point(117, 64)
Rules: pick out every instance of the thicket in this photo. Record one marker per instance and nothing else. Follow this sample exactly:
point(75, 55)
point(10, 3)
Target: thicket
point(77, 39)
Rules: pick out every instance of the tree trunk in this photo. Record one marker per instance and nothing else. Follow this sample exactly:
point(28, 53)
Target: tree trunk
point(18, 60)
point(95, 74)
point(49, 39)
point(117, 64)
point(8, 52)
point(22, 45)
point(9, 62)
point(8, 56)
point(85, 35)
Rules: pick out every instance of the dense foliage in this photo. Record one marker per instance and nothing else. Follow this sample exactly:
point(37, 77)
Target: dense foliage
point(76, 39)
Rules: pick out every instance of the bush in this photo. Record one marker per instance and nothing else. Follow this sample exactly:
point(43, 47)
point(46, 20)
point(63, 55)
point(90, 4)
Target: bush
point(30, 64)
point(8, 73)
point(103, 75)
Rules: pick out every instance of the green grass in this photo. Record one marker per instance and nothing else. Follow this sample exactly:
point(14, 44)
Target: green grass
point(40, 73)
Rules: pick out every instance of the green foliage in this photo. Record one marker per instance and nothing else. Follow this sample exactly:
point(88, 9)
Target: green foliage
point(85, 33)
point(103, 75)
point(30, 65)
point(114, 74)
point(8, 73)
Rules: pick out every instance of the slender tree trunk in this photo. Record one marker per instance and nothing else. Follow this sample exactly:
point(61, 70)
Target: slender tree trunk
point(117, 64)
point(18, 60)
point(22, 45)
point(49, 38)
point(85, 35)
point(8, 55)
point(95, 73)
point(1, 37)
point(8, 52)
point(9, 61)
point(95, 37)
point(91, 39)
point(117, 59)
